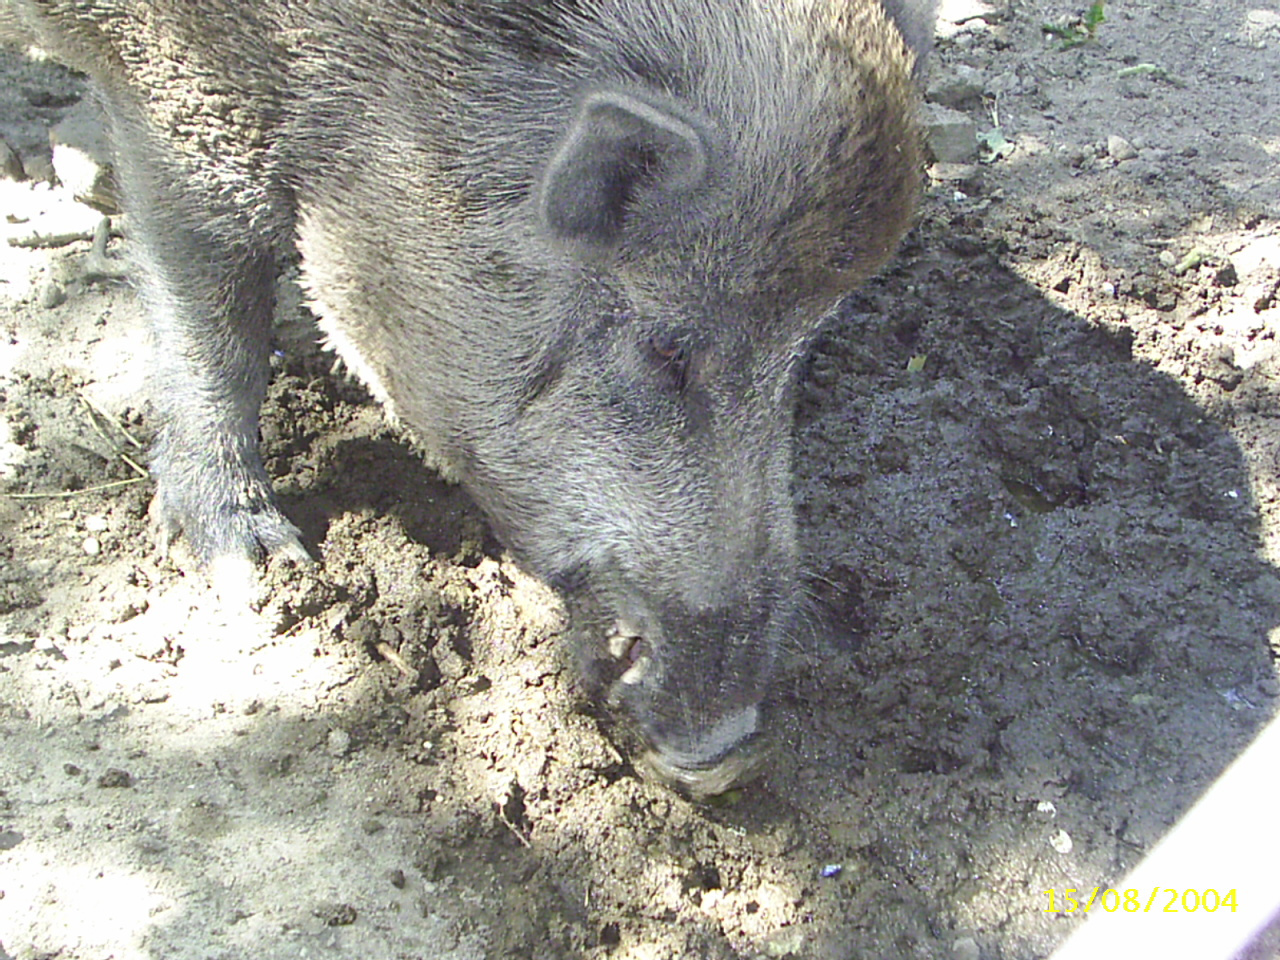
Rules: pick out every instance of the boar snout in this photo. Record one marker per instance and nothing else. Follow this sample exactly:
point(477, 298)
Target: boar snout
point(694, 681)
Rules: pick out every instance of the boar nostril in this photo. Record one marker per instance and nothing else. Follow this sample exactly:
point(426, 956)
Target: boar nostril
point(624, 640)
point(638, 669)
point(626, 644)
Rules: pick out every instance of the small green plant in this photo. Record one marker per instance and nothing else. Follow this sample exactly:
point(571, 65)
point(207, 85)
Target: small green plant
point(1080, 30)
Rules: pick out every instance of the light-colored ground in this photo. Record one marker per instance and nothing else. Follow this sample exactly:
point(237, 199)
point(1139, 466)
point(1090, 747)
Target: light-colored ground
point(1045, 563)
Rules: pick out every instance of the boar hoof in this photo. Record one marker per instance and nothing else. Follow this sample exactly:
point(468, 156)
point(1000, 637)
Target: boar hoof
point(227, 536)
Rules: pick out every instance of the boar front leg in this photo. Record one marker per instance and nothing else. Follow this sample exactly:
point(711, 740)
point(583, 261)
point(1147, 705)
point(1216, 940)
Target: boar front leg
point(208, 279)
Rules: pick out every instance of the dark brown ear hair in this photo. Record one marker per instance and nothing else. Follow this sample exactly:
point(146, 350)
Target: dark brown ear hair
point(617, 148)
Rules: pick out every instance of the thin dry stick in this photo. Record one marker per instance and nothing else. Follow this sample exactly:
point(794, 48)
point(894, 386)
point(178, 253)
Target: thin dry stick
point(97, 416)
point(138, 468)
point(96, 413)
point(392, 656)
point(67, 494)
point(98, 265)
point(502, 815)
point(88, 402)
point(42, 241)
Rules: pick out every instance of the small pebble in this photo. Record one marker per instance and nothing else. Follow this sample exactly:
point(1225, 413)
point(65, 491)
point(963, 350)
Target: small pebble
point(42, 566)
point(966, 948)
point(335, 914)
point(52, 295)
point(832, 870)
point(1118, 148)
point(786, 942)
point(114, 777)
point(339, 743)
point(1061, 842)
point(91, 546)
point(96, 523)
point(10, 839)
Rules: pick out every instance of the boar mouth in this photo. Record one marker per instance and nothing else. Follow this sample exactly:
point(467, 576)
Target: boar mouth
point(728, 755)
point(703, 782)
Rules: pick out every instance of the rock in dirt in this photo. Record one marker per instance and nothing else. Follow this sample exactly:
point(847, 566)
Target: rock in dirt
point(963, 84)
point(11, 163)
point(335, 914)
point(114, 777)
point(82, 157)
point(1119, 149)
point(951, 135)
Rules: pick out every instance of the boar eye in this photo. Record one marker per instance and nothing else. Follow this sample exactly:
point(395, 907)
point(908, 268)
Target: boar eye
point(670, 358)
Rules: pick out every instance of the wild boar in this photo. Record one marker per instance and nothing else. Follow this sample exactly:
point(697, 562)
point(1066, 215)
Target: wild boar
point(578, 248)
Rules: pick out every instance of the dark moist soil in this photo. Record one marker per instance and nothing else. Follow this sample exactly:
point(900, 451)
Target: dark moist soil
point(1036, 476)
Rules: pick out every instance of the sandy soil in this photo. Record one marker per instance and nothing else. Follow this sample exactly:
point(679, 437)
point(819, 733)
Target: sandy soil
point(1037, 479)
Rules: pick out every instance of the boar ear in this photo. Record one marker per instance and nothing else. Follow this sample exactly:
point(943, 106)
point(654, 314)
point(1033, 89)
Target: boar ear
point(617, 146)
point(916, 20)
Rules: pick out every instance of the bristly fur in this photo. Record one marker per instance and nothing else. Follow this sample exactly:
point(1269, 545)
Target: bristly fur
point(511, 216)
